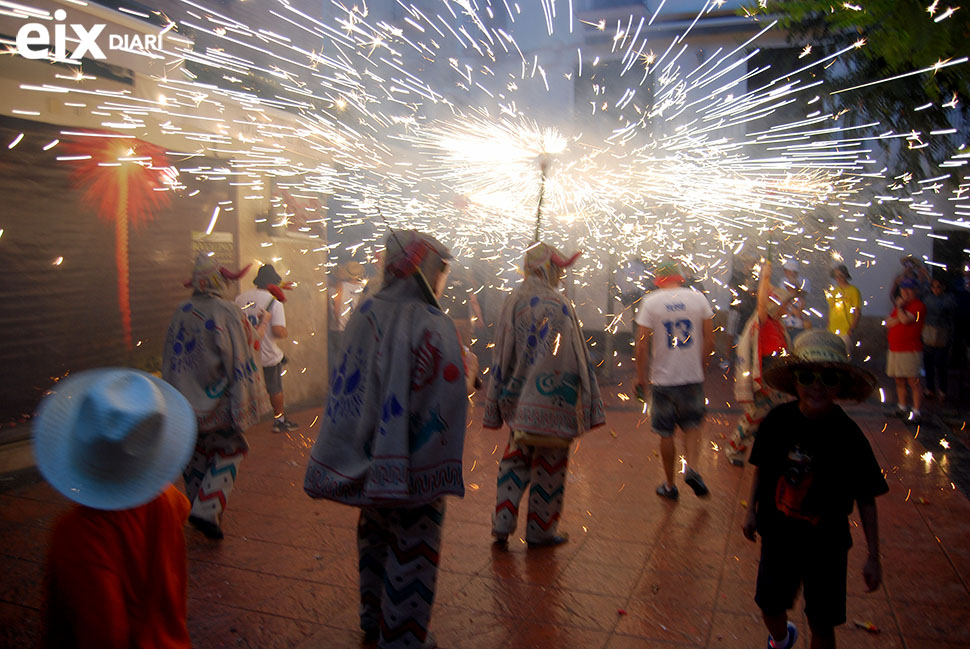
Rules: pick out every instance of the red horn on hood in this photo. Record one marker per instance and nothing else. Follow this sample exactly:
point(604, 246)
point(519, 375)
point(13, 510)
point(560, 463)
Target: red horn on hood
point(228, 274)
point(276, 291)
point(564, 263)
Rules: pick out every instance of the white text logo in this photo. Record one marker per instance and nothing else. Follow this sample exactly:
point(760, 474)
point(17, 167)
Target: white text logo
point(34, 40)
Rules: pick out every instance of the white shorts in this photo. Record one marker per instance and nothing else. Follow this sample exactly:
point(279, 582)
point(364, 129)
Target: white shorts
point(903, 364)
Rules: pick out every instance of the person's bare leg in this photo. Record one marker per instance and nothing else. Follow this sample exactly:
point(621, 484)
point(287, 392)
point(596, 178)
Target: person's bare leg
point(901, 400)
point(915, 389)
point(692, 445)
point(777, 625)
point(276, 400)
point(823, 637)
point(667, 453)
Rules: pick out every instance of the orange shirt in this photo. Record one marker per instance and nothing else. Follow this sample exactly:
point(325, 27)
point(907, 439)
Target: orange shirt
point(118, 579)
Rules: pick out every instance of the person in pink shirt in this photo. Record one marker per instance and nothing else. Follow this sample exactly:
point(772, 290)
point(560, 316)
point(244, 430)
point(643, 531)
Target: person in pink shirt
point(904, 359)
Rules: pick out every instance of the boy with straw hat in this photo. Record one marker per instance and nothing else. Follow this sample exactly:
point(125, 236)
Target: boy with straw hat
point(112, 440)
point(813, 463)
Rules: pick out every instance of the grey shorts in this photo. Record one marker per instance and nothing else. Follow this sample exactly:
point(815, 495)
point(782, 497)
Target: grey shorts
point(273, 375)
point(676, 405)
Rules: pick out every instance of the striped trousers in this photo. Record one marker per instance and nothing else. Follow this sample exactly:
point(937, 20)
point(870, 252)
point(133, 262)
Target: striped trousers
point(749, 421)
point(211, 472)
point(398, 553)
point(542, 467)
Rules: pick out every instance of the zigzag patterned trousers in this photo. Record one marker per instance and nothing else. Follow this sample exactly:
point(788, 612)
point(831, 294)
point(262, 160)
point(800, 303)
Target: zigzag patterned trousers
point(398, 551)
point(545, 468)
point(211, 473)
point(748, 423)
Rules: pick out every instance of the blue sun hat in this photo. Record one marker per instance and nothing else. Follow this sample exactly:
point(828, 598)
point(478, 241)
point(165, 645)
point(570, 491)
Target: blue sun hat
point(113, 438)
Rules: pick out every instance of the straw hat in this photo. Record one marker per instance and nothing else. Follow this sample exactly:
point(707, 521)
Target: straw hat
point(113, 438)
point(820, 349)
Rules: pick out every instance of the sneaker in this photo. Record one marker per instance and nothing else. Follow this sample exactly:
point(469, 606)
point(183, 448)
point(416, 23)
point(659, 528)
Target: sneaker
point(902, 413)
point(669, 493)
point(914, 418)
point(696, 482)
point(558, 539)
point(792, 636)
point(284, 425)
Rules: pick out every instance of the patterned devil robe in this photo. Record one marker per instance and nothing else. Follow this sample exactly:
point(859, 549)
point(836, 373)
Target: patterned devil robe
point(209, 356)
point(542, 381)
point(393, 427)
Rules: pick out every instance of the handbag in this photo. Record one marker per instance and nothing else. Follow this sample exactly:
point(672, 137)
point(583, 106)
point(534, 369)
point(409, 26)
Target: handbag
point(934, 336)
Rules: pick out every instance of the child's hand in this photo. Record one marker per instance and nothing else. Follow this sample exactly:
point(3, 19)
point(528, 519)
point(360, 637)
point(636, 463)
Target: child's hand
point(750, 525)
point(872, 573)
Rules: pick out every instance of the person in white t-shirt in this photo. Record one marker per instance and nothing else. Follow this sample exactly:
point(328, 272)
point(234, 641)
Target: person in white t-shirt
point(675, 338)
point(795, 319)
point(263, 307)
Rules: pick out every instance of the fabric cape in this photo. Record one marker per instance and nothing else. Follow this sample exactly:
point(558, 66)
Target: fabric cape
point(542, 381)
point(209, 356)
point(393, 427)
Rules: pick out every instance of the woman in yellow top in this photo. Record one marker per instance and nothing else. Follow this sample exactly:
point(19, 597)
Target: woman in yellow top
point(845, 305)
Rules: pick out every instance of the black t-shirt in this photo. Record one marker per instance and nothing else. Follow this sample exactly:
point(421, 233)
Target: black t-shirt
point(812, 471)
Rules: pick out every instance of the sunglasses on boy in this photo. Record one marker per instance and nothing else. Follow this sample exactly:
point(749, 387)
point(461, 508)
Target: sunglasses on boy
point(828, 378)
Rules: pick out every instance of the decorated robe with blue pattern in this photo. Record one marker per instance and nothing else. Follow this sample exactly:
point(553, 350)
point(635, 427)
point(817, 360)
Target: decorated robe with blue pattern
point(210, 357)
point(393, 427)
point(542, 381)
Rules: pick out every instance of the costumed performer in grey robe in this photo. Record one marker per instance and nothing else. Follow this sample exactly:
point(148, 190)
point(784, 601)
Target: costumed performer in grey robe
point(210, 357)
point(391, 438)
point(543, 386)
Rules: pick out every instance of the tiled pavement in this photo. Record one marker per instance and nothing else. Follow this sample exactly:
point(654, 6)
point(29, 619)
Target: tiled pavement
point(638, 572)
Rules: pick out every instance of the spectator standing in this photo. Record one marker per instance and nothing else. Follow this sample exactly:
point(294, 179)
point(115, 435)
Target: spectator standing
point(763, 342)
point(461, 305)
point(845, 306)
point(391, 438)
point(961, 295)
point(263, 307)
point(543, 386)
point(795, 319)
point(209, 356)
point(937, 336)
point(914, 271)
point(744, 297)
point(675, 340)
point(903, 362)
point(112, 440)
point(812, 464)
point(345, 292)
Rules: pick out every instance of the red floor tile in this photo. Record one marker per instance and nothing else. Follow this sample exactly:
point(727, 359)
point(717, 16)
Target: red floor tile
point(638, 572)
point(677, 625)
point(944, 623)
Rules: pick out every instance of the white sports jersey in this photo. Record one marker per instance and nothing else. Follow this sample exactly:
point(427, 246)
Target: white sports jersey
point(253, 302)
point(676, 316)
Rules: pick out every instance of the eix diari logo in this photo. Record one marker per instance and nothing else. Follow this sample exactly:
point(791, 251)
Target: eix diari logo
point(34, 40)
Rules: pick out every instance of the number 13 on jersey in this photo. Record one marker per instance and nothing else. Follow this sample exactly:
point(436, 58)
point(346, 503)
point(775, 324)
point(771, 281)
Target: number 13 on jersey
point(679, 333)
